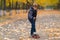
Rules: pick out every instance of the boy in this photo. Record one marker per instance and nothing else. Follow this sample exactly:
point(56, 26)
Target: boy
point(32, 18)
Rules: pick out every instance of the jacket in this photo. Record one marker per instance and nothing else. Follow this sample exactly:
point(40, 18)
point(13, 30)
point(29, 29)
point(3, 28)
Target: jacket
point(32, 13)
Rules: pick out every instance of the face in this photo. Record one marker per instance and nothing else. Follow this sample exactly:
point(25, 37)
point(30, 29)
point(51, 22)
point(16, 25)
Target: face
point(35, 8)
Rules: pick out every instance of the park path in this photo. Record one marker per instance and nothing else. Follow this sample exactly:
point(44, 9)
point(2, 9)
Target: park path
point(47, 26)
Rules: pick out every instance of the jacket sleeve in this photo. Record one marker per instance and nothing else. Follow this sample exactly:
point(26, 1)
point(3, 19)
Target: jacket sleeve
point(30, 14)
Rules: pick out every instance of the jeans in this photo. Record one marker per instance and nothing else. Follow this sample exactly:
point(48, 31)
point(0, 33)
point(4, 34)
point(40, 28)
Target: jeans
point(33, 29)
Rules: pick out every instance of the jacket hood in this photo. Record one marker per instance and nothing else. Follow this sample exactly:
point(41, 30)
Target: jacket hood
point(31, 8)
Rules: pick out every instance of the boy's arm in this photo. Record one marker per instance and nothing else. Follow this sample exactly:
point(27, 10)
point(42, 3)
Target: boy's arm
point(30, 14)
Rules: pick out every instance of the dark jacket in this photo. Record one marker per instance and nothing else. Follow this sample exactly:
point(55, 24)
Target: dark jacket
point(32, 13)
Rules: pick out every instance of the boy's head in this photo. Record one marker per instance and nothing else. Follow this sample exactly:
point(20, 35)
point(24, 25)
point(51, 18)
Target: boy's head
point(35, 6)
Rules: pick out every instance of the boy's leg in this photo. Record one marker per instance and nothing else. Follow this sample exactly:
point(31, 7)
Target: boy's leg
point(33, 29)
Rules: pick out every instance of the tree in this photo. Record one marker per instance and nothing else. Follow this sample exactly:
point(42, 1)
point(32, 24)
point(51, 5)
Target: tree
point(45, 3)
point(58, 5)
point(0, 4)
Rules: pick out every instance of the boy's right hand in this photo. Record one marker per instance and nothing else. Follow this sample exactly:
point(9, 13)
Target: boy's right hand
point(34, 18)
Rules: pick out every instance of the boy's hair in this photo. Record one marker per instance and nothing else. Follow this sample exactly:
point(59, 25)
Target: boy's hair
point(35, 5)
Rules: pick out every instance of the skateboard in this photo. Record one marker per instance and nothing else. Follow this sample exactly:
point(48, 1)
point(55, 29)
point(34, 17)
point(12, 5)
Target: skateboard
point(35, 36)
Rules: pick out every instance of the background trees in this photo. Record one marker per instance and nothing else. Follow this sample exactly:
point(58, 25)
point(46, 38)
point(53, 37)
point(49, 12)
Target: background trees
point(25, 4)
point(47, 3)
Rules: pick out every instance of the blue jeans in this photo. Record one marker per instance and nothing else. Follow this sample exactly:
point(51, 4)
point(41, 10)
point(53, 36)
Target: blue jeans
point(33, 29)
